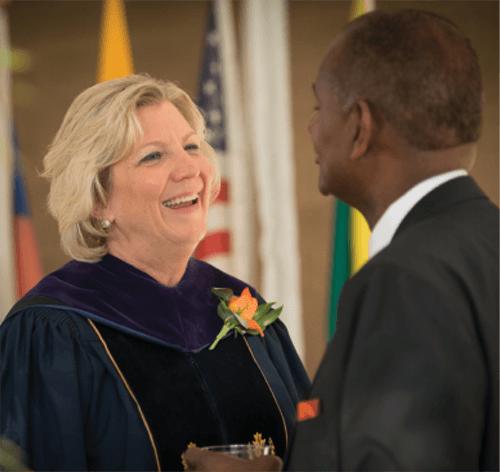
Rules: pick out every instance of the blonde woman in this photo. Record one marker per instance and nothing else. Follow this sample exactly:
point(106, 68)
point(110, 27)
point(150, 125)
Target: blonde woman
point(105, 364)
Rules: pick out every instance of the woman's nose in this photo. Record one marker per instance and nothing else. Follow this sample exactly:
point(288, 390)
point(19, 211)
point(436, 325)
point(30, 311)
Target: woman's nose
point(186, 167)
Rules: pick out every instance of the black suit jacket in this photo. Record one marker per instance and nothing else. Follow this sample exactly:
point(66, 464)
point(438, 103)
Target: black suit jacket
point(410, 380)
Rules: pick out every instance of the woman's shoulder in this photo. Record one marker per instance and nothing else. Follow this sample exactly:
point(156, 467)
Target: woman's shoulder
point(38, 315)
point(46, 339)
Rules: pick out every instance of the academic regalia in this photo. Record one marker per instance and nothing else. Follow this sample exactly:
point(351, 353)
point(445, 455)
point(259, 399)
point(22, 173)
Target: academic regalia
point(104, 368)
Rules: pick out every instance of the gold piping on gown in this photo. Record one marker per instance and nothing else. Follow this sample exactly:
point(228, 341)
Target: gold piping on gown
point(130, 392)
point(270, 390)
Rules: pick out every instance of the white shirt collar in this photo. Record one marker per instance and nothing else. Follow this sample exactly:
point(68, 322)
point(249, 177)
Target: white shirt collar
point(386, 226)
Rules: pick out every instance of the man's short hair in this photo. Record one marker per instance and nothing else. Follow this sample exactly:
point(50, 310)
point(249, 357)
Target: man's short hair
point(417, 71)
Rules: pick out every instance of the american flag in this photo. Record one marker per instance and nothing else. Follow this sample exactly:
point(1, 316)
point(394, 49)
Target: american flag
point(216, 247)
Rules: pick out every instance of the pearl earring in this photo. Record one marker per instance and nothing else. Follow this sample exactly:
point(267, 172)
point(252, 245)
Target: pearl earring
point(105, 224)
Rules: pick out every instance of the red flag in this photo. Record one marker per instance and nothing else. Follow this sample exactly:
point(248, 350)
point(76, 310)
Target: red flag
point(28, 266)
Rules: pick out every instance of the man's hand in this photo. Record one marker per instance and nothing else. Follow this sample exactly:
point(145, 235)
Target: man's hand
point(200, 460)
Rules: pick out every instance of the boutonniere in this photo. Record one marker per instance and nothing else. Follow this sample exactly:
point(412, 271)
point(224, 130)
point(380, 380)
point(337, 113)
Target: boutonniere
point(243, 314)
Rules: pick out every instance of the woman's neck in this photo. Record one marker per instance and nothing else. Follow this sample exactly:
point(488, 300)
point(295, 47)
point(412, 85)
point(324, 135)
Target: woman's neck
point(166, 266)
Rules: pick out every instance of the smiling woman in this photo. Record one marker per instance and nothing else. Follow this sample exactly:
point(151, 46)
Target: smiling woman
point(160, 194)
point(116, 127)
point(105, 363)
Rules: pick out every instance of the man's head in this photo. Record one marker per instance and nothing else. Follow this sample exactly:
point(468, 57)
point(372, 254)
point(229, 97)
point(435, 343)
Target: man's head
point(411, 71)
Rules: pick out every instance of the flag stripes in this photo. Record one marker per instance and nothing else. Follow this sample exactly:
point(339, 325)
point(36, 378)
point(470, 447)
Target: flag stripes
point(28, 266)
point(217, 242)
point(214, 244)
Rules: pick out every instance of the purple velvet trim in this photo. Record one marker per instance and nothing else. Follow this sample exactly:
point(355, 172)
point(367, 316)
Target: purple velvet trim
point(183, 317)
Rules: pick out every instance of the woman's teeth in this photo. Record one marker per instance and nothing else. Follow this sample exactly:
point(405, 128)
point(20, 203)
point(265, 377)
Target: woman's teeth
point(181, 202)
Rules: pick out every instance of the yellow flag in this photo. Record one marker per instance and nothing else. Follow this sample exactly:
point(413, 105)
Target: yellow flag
point(360, 7)
point(360, 232)
point(115, 56)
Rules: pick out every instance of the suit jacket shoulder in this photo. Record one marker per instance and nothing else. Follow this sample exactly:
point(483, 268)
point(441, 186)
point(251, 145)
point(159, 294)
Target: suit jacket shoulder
point(410, 380)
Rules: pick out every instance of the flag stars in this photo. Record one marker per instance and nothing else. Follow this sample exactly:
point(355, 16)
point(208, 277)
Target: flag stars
point(215, 117)
point(209, 133)
point(213, 38)
point(210, 87)
point(214, 68)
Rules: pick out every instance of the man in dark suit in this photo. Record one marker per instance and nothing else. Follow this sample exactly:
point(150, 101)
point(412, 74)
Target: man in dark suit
point(410, 380)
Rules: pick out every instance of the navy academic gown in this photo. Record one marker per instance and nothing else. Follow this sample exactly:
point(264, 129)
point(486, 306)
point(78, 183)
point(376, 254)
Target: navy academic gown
point(103, 368)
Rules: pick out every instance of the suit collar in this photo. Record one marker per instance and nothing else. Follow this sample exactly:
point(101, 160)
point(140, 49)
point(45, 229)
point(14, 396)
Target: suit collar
point(386, 226)
point(443, 197)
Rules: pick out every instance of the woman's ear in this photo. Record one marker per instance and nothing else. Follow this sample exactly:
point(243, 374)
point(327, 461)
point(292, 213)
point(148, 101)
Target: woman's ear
point(97, 212)
point(215, 190)
point(101, 213)
point(365, 128)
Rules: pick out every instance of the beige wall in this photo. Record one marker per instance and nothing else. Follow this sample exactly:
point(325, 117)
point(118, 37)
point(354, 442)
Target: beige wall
point(62, 38)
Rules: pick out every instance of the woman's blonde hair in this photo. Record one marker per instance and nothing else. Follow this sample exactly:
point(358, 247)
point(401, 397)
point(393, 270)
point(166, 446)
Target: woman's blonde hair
point(99, 129)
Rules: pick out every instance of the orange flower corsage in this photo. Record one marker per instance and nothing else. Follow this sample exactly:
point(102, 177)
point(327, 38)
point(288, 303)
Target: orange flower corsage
point(243, 314)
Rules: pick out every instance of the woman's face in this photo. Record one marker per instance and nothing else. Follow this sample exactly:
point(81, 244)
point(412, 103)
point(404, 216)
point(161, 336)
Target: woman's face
point(161, 191)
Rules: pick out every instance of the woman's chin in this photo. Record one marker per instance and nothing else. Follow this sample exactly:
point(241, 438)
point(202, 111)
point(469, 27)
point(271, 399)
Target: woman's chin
point(191, 237)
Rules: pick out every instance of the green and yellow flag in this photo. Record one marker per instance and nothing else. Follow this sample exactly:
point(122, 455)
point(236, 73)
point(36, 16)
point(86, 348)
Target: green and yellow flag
point(351, 232)
point(115, 54)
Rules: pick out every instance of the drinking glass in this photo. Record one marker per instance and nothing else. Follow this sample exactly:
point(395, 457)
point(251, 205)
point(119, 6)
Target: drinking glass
point(243, 451)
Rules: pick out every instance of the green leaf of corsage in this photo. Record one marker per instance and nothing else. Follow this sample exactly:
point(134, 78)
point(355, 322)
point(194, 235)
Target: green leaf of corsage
point(243, 314)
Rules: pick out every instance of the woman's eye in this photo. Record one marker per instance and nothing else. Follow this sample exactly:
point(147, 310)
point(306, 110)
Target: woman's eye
point(191, 147)
point(152, 156)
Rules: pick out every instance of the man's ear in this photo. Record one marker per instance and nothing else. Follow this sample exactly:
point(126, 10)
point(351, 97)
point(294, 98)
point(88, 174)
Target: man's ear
point(365, 129)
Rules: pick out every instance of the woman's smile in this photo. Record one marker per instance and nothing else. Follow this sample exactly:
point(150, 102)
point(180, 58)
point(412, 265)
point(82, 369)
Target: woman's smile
point(181, 202)
point(165, 170)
